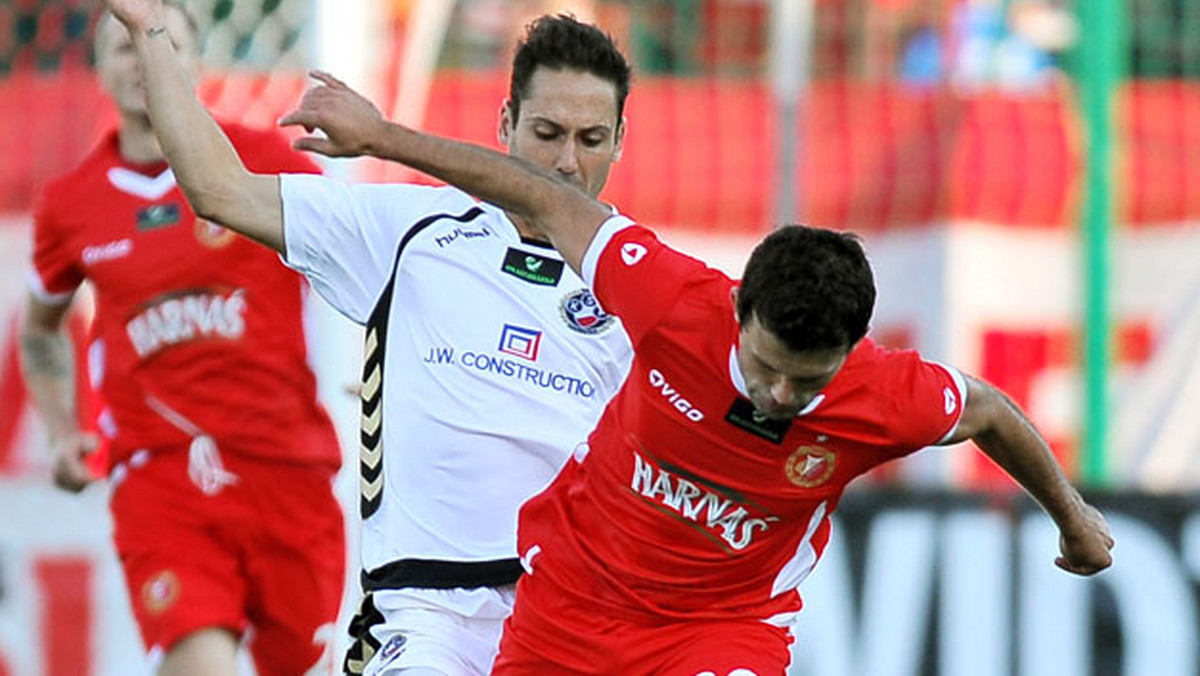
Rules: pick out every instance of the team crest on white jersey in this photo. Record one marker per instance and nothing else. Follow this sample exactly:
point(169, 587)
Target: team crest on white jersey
point(810, 466)
point(391, 650)
point(583, 313)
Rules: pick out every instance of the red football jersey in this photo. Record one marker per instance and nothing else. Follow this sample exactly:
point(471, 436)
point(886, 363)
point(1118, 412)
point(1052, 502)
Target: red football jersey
point(687, 505)
point(198, 329)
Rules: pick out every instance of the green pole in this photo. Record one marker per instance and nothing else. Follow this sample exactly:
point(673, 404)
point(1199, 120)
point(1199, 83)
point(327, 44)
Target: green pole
point(1099, 67)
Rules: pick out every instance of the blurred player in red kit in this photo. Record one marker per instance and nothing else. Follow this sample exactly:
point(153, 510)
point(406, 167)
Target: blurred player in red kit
point(221, 459)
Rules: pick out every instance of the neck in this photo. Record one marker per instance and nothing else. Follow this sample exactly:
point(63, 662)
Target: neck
point(137, 141)
point(525, 230)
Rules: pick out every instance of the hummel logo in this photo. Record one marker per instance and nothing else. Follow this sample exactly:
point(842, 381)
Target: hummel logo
point(532, 263)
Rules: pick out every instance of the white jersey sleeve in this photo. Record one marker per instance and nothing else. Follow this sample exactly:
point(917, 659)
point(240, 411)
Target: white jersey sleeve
point(345, 238)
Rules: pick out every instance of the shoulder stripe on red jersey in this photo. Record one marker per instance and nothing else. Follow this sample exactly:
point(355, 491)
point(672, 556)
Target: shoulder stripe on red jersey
point(961, 383)
point(604, 234)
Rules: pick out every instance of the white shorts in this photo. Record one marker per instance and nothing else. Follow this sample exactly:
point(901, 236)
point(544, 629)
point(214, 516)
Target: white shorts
point(455, 631)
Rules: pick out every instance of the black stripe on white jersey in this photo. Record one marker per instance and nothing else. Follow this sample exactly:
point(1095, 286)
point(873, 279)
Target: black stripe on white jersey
point(371, 429)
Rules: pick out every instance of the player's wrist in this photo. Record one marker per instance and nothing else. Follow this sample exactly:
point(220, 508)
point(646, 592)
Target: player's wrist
point(150, 27)
point(375, 141)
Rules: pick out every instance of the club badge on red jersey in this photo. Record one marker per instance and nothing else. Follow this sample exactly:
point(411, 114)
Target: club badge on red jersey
point(160, 592)
point(810, 466)
point(212, 235)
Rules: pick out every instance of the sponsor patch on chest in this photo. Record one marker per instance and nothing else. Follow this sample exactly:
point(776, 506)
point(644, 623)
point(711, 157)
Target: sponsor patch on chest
point(743, 416)
point(727, 518)
point(532, 268)
point(186, 317)
point(157, 216)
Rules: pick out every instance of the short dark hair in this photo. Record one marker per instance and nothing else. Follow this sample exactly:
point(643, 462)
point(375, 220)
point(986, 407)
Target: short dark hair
point(559, 42)
point(811, 287)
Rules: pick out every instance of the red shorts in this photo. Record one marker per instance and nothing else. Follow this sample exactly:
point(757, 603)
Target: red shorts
point(267, 552)
point(547, 634)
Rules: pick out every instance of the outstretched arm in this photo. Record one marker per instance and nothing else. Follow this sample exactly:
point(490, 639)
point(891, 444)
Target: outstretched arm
point(48, 364)
point(999, 427)
point(353, 127)
point(217, 184)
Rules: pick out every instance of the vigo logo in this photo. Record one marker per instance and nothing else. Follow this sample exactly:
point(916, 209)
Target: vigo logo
point(718, 514)
point(106, 252)
point(184, 318)
point(659, 382)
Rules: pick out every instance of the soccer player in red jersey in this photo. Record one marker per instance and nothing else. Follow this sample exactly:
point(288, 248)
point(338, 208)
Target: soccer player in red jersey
point(221, 457)
point(675, 541)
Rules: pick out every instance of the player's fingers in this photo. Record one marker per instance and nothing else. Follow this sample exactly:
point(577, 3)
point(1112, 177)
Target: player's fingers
point(327, 79)
point(298, 117)
point(314, 144)
point(71, 474)
point(1083, 568)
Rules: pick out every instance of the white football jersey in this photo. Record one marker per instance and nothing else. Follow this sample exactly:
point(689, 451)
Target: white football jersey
point(487, 360)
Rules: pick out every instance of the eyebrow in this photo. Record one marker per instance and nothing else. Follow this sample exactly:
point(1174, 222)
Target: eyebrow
point(545, 120)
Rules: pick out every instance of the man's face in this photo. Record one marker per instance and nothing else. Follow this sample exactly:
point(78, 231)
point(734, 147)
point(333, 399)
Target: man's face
point(780, 381)
point(568, 123)
point(117, 66)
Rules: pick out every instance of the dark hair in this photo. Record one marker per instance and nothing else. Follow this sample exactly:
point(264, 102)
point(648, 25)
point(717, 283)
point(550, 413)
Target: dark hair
point(810, 287)
point(558, 42)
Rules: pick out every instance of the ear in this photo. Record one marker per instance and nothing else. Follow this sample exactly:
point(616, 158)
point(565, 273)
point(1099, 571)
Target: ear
point(504, 132)
point(619, 143)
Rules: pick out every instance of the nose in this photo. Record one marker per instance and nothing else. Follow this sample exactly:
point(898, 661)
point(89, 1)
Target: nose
point(784, 393)
point(567, 162)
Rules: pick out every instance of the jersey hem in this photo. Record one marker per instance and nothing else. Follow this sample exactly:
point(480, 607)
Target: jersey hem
point(435, 574)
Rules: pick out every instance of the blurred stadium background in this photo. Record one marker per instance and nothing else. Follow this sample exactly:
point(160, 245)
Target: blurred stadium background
point(1026, 174)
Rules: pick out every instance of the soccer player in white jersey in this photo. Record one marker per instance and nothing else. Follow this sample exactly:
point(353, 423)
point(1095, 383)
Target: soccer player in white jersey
point(487, 359)
point(675, 540)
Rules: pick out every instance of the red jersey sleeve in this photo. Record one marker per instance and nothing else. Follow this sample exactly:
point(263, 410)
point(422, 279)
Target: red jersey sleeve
point(925, 400)
point(56, 267)
point(635, 276)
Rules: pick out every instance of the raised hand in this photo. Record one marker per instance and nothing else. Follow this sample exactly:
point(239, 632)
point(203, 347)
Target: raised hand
point(350, 122)
point(137, 15)
point(1086, 546)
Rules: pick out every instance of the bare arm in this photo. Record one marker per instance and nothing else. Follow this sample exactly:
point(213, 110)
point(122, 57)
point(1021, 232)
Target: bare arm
point(999, 427)
point(217, 184)
point(353, 127)
point(48, 364)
